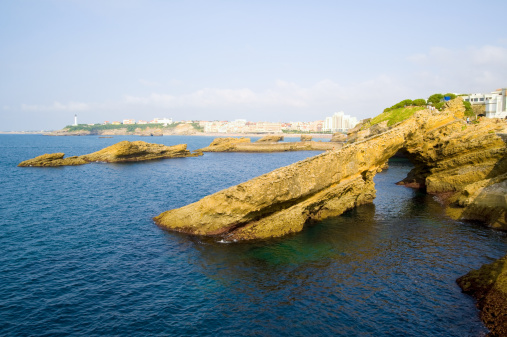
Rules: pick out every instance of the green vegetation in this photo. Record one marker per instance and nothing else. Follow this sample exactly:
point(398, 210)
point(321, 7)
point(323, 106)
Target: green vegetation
point(197, 127)
point(407, 103)
point(469, 112)
point(435, 98)
point(393, 116)
point(129, 127)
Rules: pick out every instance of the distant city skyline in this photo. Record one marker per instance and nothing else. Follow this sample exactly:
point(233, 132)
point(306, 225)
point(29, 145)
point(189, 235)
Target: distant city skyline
point(265, 61)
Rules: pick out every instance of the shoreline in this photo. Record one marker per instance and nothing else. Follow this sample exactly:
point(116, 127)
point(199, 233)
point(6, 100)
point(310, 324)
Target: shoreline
point(200, 134)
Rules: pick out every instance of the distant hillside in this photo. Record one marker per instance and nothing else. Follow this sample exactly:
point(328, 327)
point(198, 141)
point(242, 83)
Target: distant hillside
point(129, 129)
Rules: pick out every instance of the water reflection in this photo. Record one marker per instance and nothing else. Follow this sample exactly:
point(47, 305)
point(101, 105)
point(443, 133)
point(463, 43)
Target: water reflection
point(387, 266)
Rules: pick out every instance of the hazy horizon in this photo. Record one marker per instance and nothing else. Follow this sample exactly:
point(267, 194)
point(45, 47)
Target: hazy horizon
point(225, 60)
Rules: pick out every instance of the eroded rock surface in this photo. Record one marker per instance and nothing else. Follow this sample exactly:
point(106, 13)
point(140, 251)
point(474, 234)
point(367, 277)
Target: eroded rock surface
point(270, 139)
point(448, 154)
point(121, 152)
point(339, 137)
point(488, 285)
point(232, 144)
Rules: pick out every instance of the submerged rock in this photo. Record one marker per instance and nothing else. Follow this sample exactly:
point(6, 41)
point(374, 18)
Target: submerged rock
point(121, 152)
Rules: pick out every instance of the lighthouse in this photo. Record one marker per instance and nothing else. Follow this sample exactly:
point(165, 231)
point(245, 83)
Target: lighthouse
point(75, 120)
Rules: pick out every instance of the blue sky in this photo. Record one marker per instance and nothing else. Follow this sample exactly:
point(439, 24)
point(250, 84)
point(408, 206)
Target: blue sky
point(224, 60)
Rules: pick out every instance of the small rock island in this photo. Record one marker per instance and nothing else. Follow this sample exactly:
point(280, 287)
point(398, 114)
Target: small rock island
point(121, 152)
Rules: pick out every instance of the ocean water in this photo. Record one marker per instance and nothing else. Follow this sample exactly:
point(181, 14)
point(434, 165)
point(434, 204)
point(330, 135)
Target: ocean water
point(81, 256)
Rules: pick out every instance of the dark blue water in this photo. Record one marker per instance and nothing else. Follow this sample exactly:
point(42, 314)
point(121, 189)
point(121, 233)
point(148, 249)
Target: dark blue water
point(81, 256)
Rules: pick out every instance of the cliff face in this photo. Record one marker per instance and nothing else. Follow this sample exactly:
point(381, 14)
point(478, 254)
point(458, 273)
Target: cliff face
point(448, 155)
point(282, 201)
point(121, 152)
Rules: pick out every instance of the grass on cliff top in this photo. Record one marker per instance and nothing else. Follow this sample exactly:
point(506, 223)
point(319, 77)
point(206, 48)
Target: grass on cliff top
point(394, 116)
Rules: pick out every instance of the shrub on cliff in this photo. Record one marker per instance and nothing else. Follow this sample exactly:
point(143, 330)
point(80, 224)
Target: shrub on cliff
point(393, 116)
point(435, 98)
point(419, 102)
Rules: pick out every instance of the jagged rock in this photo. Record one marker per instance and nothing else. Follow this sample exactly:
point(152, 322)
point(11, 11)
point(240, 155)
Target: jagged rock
point(339, 137)
point(53, 159)
point(121, 152)
point(485, 200)
point(488, 285)
point(306, 138)
point(270, 139)
point(244, 145)
point(225, 144)
point(454, 155)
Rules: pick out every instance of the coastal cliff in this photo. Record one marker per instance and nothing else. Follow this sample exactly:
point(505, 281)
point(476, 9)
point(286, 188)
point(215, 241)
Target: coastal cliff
point(448, 155)
point(465, 165)
point(120, 152)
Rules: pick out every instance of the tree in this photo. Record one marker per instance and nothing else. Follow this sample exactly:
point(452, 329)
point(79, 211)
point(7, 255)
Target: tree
point(468, 109)
point(450, 95)
point(419, 102)
point(435, 98)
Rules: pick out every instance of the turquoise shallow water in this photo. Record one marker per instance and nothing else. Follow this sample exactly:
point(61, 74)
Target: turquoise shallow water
point(81, 255)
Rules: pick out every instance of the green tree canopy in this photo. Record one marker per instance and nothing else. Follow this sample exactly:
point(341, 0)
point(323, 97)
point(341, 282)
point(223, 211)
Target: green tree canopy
point(435, 98)
point(419, 102)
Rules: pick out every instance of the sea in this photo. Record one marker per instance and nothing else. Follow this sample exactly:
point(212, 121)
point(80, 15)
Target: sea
point(81, 256)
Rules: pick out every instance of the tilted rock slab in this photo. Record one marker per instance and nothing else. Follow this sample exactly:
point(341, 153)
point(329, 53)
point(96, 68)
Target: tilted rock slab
point(282, 201)
point(124, 151)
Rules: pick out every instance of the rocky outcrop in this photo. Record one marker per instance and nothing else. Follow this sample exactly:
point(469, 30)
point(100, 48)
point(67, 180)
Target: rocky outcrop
point(466, 163)
point(339, 137)
point(225, 144)
point(306, 138)
point(270, 139)
point(121, 152)
point(53, 159)
point(488, 285)
point(448, 155)
point(244, 145)
point(282, 201)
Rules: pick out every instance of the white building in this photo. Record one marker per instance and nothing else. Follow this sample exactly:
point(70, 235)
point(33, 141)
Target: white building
point(495, 102)
point(164, 121)
point(339, 122)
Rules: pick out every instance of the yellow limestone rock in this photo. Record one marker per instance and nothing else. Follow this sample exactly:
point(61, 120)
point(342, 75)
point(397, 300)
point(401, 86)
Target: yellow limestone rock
point(488, 285)
point(244, 145)
point(447, 153)
point(121, 152)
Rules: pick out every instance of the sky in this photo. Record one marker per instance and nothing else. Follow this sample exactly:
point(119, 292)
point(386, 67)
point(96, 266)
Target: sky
point(277, 61)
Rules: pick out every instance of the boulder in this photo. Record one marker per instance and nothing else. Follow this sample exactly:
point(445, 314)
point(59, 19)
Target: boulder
point(488, 285)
